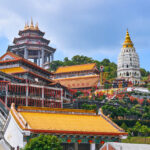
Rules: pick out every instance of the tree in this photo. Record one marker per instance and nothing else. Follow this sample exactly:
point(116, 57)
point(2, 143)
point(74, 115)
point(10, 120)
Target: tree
point(124, 126)
point(144, 73)
point(137, 128)
point(44, 142)
point(144, 130)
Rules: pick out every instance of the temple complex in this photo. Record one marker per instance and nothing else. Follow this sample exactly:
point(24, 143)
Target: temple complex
point(128, 62)
point(78, 129)
point(32, 45)
point(84, 76)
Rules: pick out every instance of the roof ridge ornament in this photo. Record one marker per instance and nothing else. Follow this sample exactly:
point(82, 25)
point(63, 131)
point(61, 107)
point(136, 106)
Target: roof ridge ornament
point(36, 26)
point(31, 25)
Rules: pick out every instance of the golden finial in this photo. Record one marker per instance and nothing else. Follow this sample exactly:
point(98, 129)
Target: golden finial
point(31, 25)
point(127, 42)
point(25, 27)
point(36, 26)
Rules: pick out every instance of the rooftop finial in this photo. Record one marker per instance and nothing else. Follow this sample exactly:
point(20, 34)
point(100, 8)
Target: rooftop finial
point(31, 25)
point(36, 26)
point(25, 27)
point(127, 42)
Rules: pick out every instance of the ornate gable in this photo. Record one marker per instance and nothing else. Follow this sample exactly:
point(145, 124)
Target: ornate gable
point(8, 56)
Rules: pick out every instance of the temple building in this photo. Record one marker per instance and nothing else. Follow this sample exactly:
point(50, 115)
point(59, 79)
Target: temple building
point(32, 45)
point(27, 84)
point(13, 64)
point(78, 129)
point(84, 76)
point(128, 62)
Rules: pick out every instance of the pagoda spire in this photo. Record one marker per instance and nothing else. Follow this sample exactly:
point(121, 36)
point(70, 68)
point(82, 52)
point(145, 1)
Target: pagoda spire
point(31, 25)
point(36, 26)
point(127, 42)
point(25, 27)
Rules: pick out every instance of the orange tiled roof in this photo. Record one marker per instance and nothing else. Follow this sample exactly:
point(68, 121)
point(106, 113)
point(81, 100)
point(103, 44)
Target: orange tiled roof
point(79, 82)
point(18, 58)
point(13, 70)
point(67, 122)
point(75, 68)
point(59, 122)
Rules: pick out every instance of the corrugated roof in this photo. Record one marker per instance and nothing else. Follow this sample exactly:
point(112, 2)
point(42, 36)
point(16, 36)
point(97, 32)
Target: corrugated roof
point(75, 68)
point(128, 146)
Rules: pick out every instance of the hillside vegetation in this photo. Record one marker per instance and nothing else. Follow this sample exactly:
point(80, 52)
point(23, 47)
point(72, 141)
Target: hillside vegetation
point(109, 66)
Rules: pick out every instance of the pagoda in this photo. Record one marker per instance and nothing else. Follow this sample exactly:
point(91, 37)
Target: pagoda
point(128, 62)
point(33, 46)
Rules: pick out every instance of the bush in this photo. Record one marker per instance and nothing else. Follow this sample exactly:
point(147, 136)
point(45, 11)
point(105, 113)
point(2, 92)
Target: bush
point(44, 142)
point(88, 107)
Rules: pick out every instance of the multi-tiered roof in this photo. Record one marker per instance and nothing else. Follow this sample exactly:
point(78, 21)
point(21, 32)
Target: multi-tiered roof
point(32, 45)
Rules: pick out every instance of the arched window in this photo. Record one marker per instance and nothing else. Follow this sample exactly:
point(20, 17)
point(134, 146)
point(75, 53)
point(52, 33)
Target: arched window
point(127, 66)
point(127, 74)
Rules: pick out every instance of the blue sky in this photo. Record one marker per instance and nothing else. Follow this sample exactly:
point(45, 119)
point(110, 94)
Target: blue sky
point(94, 28)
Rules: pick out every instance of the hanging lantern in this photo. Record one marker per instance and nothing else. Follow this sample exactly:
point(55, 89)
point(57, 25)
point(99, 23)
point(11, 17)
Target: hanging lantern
point(90, 141)
point(102, 142)
point(69, 140)
point(79, 141)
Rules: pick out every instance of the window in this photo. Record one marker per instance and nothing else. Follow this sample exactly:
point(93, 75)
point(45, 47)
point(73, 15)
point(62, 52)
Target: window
point(127, 74)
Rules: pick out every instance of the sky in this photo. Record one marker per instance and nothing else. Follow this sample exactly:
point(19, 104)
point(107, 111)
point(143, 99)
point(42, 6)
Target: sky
point(93, 28)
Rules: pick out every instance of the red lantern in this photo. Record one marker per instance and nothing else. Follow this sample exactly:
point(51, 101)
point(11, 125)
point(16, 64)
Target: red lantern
point(102, 142)
point(90, 141)
point(69, 140)
point(79, 141)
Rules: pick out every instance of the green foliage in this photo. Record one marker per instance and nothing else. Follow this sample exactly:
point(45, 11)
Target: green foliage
point(80, 59)
point(78, 93)
point(149, 87)
point(144, 73)
point(138, 140)
point(144, 130)
point(44, 142)
point(100, 98)
point(110, 67)
point(88, 107)
point(131, 123)
point(124, 126)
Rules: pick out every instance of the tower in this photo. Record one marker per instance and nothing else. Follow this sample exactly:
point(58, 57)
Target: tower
point(33, 46)
point(128, 67)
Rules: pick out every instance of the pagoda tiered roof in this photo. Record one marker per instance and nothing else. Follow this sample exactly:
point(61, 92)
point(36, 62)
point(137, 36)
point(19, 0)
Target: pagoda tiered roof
point(31, 37)
point(23, 45)
point(31, 28)
point(27, 35)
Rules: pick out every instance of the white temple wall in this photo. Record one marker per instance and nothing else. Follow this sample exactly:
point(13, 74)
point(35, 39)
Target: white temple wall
point(13, 134)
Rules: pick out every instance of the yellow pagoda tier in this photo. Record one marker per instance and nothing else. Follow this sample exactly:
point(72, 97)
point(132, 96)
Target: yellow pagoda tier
point(127, 42)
